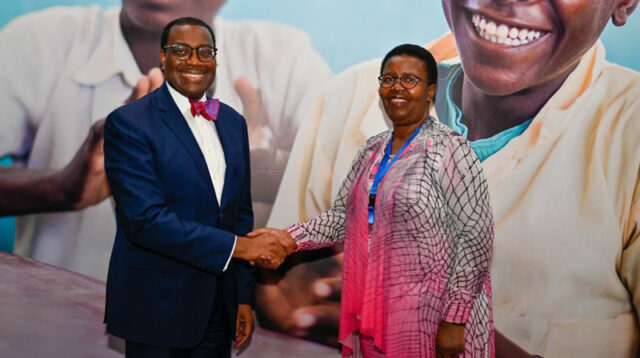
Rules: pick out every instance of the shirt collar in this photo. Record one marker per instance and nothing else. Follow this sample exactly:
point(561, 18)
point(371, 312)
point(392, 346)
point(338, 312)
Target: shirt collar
point(111, 56)
point(181, 101)
point(450, 114)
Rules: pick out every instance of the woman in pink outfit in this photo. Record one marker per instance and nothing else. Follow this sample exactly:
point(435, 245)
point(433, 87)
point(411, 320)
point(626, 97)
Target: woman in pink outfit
point(416, 223)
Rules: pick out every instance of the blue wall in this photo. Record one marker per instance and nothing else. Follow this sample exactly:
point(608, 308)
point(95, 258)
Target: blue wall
point(346, 32)
point(7, 227)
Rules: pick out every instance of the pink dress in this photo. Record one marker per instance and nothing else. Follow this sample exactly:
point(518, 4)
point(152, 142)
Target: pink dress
point(426, 257)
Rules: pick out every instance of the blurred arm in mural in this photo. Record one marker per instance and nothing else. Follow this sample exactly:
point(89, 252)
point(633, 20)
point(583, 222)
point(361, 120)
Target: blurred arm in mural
point(556, 127)
point(78, 185)
point(71, 66)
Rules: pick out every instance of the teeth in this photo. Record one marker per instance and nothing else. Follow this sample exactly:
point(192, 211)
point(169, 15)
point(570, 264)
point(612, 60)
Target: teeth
point(491, 28)
point(523, 34)
point(513, 33)
point(483, 24)
point(502, 33)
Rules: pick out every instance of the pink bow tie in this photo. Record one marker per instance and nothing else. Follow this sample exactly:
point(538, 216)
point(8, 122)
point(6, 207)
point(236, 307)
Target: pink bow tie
point(208, 109)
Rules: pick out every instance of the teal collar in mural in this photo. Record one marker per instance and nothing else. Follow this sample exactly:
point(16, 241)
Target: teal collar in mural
point(450, 114)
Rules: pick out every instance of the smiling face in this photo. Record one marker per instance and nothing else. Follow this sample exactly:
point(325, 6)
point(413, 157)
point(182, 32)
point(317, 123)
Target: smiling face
point(190, 77)
point(508, 46)
point(406, 106)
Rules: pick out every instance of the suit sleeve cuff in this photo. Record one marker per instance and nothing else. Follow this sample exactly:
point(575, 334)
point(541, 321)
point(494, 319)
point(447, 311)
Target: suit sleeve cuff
point(235, 240)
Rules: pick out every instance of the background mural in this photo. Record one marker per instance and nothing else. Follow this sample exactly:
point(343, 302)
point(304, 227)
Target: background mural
point(337, 28)
point(344, 33)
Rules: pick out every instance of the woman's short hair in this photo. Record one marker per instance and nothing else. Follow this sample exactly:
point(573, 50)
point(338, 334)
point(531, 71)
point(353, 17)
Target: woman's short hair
point(418, 52)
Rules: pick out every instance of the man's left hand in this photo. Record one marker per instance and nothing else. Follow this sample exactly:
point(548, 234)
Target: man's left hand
point(244, 324)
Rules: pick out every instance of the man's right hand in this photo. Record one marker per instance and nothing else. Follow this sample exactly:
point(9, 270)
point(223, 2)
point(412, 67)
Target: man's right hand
point(267, 249)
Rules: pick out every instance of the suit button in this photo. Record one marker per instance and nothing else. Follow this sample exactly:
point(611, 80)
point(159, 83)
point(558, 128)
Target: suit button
point(221, 216)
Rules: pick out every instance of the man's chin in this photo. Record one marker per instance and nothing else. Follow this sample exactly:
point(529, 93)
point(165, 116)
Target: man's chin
point(498, 83)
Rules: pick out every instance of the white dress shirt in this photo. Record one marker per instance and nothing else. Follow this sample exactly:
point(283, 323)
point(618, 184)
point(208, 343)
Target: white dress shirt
point(206, 135)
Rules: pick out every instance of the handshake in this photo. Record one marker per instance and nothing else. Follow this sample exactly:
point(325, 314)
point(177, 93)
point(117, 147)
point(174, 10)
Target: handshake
point(265, 247)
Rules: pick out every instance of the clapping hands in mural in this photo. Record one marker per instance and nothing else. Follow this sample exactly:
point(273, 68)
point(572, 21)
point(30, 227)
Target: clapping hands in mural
point(84, 178)
point(308, 297)
point(260, 135)
point(267, 158)
point(79, 184)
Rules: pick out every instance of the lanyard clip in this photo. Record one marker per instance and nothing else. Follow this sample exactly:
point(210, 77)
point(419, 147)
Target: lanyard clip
point(372, 200)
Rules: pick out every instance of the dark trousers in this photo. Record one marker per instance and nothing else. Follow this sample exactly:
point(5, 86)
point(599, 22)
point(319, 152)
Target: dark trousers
point(215, 343)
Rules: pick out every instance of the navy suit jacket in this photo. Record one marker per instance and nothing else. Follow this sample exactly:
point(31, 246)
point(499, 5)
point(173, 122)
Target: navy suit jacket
point(173, 239)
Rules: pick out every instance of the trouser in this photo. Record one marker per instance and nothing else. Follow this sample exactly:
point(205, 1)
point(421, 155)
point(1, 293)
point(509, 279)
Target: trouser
point(215, 343)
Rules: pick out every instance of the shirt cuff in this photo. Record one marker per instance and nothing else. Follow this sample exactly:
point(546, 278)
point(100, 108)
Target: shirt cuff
point(235, 240)
point(457, 313)
point(458, 306)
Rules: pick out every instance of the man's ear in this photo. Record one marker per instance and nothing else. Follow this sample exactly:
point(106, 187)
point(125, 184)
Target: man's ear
point(162, 60)
point(622, 11)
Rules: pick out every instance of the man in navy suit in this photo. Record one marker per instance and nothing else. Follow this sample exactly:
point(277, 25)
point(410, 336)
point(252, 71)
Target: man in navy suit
point(178, 167)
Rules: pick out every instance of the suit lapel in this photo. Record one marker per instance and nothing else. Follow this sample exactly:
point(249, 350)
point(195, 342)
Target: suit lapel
point(172, 117)
point(229, 148)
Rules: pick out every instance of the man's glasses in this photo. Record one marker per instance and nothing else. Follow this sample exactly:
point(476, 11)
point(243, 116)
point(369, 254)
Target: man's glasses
point(406, 81)
point(183, 52)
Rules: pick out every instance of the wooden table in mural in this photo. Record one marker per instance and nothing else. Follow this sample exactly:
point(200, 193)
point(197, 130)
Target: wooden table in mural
point(49, 312)
point(46, 311)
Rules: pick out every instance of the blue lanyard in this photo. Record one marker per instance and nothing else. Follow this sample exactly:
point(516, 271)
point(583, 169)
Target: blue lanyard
point(384, 168)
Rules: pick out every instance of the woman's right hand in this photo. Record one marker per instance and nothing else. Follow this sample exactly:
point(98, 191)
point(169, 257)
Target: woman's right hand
point(450, 340)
